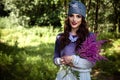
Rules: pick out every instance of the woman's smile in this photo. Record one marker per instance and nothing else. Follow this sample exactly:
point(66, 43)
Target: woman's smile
point(75, 20)
point(74, 23)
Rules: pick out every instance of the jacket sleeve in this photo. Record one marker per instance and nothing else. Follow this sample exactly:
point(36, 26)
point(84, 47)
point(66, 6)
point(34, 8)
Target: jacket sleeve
point(57, 56)
point(81, 62)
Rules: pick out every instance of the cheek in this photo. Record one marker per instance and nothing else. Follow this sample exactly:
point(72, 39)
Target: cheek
point(80, 21)
point(70, 22)
point(70, 19)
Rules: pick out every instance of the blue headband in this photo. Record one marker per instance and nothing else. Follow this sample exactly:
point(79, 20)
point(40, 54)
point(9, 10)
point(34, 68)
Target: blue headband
point(77, 7)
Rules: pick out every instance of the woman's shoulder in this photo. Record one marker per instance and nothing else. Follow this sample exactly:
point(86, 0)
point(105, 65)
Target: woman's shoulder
point(59, 35)
point(92, 36)
point(91, 33)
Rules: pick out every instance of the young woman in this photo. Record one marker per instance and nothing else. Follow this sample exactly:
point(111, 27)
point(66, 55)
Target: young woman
point(67, 43)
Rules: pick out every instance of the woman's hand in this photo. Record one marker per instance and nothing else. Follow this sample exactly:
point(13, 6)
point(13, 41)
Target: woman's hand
point(67, 60)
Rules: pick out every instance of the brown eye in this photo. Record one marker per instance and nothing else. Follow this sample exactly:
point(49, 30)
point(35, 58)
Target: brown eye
point(71, 15)
point(79, 16)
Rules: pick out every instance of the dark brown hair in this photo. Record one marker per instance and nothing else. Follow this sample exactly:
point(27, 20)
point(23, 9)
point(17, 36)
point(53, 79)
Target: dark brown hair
point(82, 33)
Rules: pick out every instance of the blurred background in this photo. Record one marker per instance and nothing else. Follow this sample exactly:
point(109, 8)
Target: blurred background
point(28, 30)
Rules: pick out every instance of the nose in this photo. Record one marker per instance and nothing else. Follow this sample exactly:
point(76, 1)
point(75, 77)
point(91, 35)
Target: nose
point(74, 18)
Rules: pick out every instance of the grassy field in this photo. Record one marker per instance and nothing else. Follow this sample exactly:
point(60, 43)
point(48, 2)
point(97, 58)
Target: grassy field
point(27, 54)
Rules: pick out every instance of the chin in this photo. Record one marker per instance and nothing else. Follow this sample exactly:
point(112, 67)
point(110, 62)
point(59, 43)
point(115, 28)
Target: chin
point(74, 26)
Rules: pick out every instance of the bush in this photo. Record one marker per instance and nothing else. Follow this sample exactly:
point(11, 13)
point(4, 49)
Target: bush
point(29, 53)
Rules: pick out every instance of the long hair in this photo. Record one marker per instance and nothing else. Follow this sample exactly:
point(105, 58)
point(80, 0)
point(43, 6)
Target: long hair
point(82, 33)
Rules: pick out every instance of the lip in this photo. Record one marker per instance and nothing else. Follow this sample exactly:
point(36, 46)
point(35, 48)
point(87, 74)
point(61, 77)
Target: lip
point(74, 23)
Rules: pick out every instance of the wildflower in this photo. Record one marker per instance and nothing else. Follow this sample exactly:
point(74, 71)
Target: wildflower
point(90, 49)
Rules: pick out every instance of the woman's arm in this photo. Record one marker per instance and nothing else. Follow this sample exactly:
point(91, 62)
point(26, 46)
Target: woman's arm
point(57, 59)
point(81, 62)
point(77, 62)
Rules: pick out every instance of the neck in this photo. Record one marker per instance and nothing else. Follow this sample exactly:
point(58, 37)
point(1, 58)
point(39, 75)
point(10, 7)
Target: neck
point(73, 31)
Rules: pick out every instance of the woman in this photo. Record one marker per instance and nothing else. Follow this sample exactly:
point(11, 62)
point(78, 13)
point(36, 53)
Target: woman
point(67, 43)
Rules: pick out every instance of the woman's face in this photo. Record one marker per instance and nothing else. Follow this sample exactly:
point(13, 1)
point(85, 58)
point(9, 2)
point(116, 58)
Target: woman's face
point(75, 20)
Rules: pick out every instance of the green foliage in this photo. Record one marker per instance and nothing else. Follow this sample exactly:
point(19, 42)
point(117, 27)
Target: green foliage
point(6, 22)
point(32, 59)
point(34, 12)
point(53, 12)
point(29, 53)
point(111, 50)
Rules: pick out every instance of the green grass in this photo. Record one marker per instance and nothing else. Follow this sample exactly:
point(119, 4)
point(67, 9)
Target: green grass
point(27, 54)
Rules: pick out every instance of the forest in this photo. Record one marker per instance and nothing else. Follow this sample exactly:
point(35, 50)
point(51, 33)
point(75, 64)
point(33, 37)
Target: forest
point(28, 30)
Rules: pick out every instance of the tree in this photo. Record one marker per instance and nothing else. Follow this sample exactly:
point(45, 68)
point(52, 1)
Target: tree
point(3, 13)
point(96, 15)
point(116, 14)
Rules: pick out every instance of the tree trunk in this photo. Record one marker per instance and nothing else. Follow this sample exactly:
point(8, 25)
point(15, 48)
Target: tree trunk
point(96, 16)
point(88, 6)
point(116, 21)
point(115, 18)
point(119, 25)
point(66, 6)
